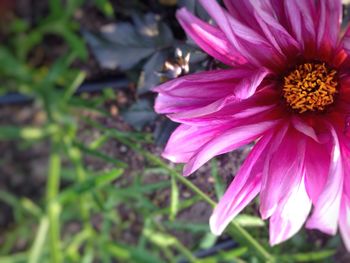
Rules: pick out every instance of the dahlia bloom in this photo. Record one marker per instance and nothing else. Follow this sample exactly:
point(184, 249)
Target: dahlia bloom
point(288, 89)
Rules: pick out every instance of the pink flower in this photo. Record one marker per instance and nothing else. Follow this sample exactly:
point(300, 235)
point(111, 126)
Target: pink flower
point(288, 88)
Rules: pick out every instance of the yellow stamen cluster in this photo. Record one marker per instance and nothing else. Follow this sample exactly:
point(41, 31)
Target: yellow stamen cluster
point(310, 87)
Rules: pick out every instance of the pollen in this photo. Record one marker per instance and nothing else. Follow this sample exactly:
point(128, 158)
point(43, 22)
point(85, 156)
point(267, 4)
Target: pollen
point(310, 87)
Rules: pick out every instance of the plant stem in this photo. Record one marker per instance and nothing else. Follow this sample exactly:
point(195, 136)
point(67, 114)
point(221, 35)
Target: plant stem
point(242, 236)
point(53, 208)
point(234, 229)
point(155, 160)
point(38, 245)
point(75, 156)
point(185, 251)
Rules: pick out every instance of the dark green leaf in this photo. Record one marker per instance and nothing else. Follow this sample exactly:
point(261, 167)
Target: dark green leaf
point(130, 254)
point(163, 131)
point(149, 77)
point(118, 46)
point(140, 114)
point(123, 45)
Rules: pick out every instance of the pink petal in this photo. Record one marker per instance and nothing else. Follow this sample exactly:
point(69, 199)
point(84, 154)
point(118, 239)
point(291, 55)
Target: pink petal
point(346, 41)
point(254, 47)
point(346, 156)
point(244, 187)
point(343, 104)
point(195, 91)
point(212, 40)
point(344, 217)
point(226, 22)
point(278, 36)
point(304, 128)
point(279, 12)
point(317, 161)
point(302, 17)
point(295, 17)
point(242, 11)
point(329, 22)
point(326, 212)
point(344, 221)
point(290, 216)
point(166, 103)
point(186, 140)
point(229, 108)
point(228, 141)
point(283, 170)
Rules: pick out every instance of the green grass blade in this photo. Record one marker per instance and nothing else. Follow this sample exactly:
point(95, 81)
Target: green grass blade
point(174, 199)
point(88, 185)
point(249, 221)
point(16, 258)
point(39, 243)
point(307, 257)
point(218, 184)
point(90, 151)
point(26, 133)
point(69, 91)
point(53, 207)
point(130, 254)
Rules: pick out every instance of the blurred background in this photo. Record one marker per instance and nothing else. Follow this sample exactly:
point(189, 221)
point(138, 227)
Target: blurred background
point(81, 177)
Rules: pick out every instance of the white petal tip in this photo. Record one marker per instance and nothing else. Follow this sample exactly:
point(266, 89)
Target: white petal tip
point(188, 170)
point(274, 242)
point(214, 227)
point(323, 228)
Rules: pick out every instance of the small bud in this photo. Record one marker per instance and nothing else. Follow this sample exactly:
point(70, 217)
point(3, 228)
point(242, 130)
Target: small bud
point(178, 66)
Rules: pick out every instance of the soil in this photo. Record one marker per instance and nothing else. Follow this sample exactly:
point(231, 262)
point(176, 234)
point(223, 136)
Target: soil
point(23, 171)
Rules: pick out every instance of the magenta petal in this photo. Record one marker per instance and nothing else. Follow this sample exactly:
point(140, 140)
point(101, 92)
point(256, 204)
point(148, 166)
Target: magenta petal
point(283, 170)
point(166, 103)
point(317, 161)
point(329, 22)
point(195, 116)
point(209, 38)
point(326, 212)
point(244, 187)
point(242, 11)
point(344, 217)
point(290, 216)
point(253, 46)
point(225, 22)
point(295, 17)
point(302, 19)
point(228, 141)
point(304, 128)
point(278, 36)
point(186, 140)
point(344, 221)
point(229, 108)
point(346, 154)
point(195, 91)
point(346, 41)
point(300, 160)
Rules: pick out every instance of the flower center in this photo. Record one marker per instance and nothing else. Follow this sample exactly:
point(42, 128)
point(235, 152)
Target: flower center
point(310, 87)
